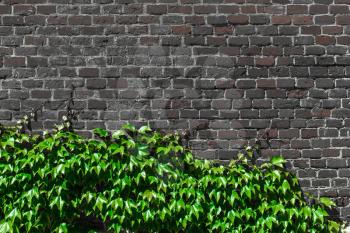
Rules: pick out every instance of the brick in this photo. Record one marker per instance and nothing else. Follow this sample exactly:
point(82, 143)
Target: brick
point(332, 30)
point(325, 40)
point(182, 30)
point(281, 19)
point(324, 19)
point(217, 20)
point(14, 61)
point(41, 94)
point(297, 9)
point(202, 30)
point(311, 30)
point(204, 9)
point(228, 9)
point(318, 9)
point(23, 10)
point(97, 104)
point(302, 20)
point(79, 20)
point(259, 19)
point(88, 72)
point(343, 19)
point(264, 61)
point(37, 61)
point(13, 20)
point(96, 83)
point(5, 9)
point(238, 19)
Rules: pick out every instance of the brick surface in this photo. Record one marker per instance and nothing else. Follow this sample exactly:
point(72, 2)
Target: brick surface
point(228, 70)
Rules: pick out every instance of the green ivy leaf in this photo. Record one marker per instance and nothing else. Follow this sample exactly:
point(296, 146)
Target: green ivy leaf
point(327, 202)
point(285, 186)
point(5, 227)
point(101, 132)
point(278, 161)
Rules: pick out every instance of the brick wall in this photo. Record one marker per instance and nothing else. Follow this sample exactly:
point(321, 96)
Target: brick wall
point(229, 70)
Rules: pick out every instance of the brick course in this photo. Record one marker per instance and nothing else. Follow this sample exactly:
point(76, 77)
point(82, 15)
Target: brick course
point(230, 70)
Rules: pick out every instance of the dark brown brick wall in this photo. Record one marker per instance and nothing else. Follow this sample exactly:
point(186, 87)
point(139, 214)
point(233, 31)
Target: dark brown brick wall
point(230, 70)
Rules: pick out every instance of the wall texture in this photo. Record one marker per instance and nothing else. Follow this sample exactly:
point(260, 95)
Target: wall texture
point(229, 70)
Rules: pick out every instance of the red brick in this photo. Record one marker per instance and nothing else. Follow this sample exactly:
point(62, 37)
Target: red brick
point(181, 30)
point(248, 9)
point(264, 61)
point(224, 30)
point(332, 30)
point(325, 40)
point(281, 19)
point(302, 20)
point(180, 9)
point(343, 19)
point(321, 113)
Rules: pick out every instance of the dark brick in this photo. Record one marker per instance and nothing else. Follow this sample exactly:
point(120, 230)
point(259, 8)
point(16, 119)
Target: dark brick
point(156, 9)
point(97, 104)
point(14, 61)
point(238, 19)
point(343, 19)
point(79, 20)
point(88, 72)
point(96, 83)
point(297, 9)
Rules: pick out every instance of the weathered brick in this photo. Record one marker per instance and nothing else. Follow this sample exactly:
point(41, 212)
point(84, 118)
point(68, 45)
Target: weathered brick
point(88, 72)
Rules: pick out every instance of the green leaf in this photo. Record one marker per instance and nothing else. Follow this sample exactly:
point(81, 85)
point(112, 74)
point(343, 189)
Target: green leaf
point(5, 227)
point(327, 202)
point(278, 161)
point(116, 204)
point(285, 186)
point(148, 215)
point(118, 133)
point(145, 129)
point(63, 228)
point(58, 202)
point(129, 127)
point(101, 132)
point(100, 202)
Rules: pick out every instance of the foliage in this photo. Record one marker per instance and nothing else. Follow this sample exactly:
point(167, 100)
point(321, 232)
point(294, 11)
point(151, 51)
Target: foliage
point(143, 181)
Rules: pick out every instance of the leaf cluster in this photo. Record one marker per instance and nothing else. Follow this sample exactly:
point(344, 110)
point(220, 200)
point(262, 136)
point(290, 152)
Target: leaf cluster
point(144, 181)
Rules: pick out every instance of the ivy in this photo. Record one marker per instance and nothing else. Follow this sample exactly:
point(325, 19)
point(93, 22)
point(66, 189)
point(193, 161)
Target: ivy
point(141, 180)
